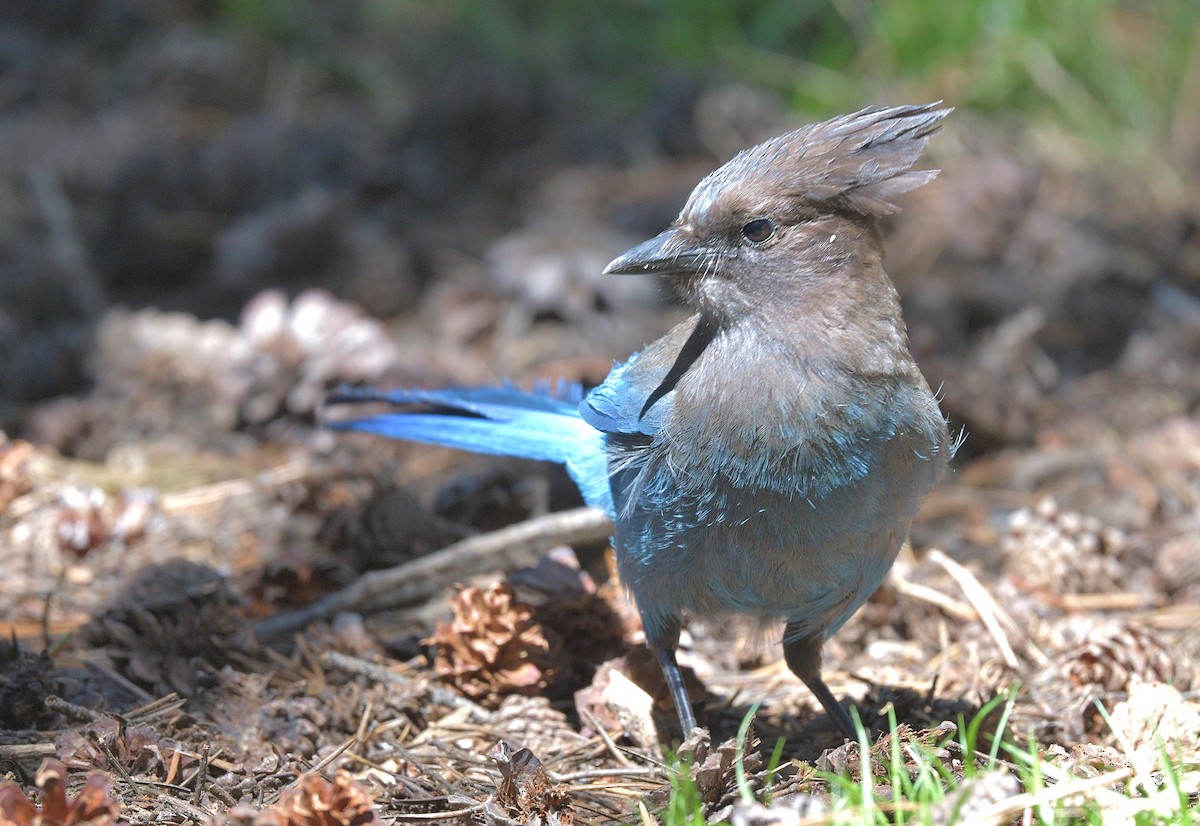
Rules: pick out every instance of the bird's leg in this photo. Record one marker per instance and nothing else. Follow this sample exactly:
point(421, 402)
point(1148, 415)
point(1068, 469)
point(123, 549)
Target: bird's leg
point(670, 669)
point(803, 657)
point(663, 645)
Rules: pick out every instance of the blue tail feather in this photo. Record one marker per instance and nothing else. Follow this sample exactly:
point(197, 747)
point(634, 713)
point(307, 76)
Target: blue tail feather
point(497, 420)
point(562, 397)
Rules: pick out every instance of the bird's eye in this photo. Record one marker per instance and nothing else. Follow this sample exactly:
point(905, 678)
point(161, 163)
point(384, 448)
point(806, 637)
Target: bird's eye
point(758, 230)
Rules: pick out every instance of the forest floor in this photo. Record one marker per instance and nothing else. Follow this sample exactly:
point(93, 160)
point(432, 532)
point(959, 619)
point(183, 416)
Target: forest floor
point(223, 611)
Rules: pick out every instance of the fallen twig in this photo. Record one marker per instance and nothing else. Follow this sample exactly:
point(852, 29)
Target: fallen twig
point(414, 582)
point(27, 751)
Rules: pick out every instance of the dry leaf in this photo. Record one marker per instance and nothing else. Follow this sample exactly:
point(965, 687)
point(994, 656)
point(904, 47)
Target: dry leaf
point(525, 794)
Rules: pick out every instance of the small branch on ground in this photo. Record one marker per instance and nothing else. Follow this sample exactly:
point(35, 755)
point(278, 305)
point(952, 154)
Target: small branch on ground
point(413, 582)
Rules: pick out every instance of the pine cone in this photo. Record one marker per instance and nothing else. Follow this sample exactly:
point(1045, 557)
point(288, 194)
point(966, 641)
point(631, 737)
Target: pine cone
point(171, 628)
point(320, 802)
point(15, 480)
point(1115, 655)
point(1106, 662)
point(1062, 551)
point(92, 806)
point(493, 647)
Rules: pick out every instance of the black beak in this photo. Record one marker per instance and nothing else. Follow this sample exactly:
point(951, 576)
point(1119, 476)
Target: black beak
point(667, 252)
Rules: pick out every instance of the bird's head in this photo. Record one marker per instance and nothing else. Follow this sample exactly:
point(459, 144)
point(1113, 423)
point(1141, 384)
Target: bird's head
point(780, 218)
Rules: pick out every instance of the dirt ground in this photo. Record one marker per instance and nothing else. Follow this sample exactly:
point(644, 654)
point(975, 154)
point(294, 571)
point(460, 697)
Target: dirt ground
point(227, 613)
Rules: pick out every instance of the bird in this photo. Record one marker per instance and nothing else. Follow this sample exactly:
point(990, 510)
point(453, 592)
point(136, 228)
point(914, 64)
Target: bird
point(766, 456)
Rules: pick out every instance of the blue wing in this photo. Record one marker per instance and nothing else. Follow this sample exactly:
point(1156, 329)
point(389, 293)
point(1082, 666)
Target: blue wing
point(636, 398)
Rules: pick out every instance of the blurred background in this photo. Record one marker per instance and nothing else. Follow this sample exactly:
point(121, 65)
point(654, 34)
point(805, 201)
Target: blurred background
point(213, 210)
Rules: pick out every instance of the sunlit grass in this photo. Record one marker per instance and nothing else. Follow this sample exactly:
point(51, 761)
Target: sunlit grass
point(903, 780)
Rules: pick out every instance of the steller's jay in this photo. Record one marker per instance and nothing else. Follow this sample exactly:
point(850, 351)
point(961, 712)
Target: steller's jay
point(766, 456)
